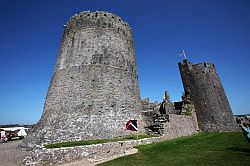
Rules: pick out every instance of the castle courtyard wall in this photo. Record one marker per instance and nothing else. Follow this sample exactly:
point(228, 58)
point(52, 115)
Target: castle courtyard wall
point(180, 125)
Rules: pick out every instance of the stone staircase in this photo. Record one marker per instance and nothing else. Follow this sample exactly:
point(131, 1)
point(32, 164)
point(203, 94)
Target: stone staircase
point(159, 121)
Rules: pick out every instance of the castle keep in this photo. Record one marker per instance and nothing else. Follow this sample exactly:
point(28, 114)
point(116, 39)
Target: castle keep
point(202, 84)
point(94, 89)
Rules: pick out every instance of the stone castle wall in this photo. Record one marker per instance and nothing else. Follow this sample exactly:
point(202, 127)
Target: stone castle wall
point(180, 125)
point(94, 89)
point(93, 153)
point(208, 96)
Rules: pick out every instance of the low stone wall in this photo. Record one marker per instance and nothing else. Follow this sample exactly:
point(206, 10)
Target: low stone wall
point(177, 126)
point(180, 125)
point(42, 156)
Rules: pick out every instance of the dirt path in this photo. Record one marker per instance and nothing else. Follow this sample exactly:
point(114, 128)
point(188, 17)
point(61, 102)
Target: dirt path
point(10, 155)
point(85, 162)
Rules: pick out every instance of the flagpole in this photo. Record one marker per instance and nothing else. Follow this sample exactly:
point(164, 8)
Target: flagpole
point(137, 130)
point(137, 133)
point(184, 56)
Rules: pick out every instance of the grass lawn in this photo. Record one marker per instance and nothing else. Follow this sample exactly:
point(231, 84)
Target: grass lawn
point(98, 141)
point(200, 149)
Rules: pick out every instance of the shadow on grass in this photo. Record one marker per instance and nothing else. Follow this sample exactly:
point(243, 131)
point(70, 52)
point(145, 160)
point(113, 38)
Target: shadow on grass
point(238, 149)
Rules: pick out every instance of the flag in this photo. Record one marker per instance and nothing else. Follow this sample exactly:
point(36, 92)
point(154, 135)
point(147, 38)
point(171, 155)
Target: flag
point(131, 125)
point(182, 53)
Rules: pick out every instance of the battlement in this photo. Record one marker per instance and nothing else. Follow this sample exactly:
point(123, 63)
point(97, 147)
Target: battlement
point(198, 68)
point(204, 66)
point(98, 20)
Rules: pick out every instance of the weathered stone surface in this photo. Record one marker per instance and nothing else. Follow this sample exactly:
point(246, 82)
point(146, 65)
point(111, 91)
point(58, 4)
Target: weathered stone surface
point(203, 84)
point(42, 156)
point(180, 125)
point(94, 89)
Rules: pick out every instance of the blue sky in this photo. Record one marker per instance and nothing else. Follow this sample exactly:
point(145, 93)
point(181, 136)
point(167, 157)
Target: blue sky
point(215, 31)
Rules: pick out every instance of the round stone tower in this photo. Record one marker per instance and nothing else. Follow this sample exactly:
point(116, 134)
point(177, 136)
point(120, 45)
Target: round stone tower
point(203, 84)
point(94, 89)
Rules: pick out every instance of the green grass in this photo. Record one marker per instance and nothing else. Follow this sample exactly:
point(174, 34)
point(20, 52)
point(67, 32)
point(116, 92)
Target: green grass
point(200, 149)
point(98, 141)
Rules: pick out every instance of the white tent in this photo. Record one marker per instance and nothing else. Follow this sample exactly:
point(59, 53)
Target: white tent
point(21, 133)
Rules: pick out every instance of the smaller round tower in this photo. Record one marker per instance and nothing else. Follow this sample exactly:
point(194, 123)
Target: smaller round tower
point(208, 96)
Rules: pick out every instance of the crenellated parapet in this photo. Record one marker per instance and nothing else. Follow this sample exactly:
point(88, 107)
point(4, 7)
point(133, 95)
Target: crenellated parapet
point(98, 20)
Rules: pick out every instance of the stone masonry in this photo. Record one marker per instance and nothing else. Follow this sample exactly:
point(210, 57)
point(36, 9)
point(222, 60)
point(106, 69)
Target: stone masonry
point(180, 125)
point(203, 84)
point(94, 89)
point(41, 156)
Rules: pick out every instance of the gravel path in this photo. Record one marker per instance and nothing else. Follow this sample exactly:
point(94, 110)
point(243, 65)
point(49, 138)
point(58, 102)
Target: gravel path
point(85, 162)
point(10, 155)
